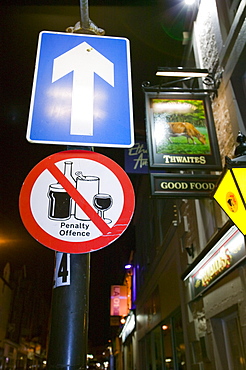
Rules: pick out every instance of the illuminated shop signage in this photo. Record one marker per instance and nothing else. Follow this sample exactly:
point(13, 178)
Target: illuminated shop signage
point(181, 131)
point(118, 300)
point(227, 253)
point(129, 326)
point(180, 185)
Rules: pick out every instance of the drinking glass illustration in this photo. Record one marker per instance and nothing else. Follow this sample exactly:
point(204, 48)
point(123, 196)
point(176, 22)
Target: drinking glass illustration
point(59, 203)
point(102, 202)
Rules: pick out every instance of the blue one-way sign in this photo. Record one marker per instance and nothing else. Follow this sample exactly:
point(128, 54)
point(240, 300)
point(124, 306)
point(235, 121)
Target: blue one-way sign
point(81, 91)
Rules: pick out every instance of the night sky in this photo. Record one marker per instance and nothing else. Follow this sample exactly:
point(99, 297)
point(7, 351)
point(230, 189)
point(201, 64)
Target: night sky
point(155, 33)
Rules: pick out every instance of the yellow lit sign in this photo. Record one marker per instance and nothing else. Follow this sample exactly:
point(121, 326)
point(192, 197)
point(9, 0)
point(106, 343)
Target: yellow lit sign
point(230, 195)
point(225, 254)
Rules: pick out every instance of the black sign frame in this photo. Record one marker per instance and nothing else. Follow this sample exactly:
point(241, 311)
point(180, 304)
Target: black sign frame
point(162, 108)
point(170, 185)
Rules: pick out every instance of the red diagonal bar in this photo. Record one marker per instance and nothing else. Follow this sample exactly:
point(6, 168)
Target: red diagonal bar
point(79, 199)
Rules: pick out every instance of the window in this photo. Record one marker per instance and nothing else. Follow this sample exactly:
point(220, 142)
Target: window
point(232, 6)
point(163, 348)
point(205, 220)
point(167, 344)
point(228, 341)
point(233, 339)
point(157, 348)
point(227, 10)
point(173, 343)
point(238, 81)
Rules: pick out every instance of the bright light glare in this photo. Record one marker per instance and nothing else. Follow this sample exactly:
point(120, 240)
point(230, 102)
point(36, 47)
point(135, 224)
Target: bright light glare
point(6, 240)
point(190, 2)
point(181, 73)
point(159, 131)
point(123, 320)
point(173, 107)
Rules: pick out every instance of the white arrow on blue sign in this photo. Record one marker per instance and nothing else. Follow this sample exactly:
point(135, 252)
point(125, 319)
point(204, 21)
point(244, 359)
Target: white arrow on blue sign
point(82, 93)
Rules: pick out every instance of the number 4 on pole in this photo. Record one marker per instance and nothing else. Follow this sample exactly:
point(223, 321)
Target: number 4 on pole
point(84, 61)
point(62, 271)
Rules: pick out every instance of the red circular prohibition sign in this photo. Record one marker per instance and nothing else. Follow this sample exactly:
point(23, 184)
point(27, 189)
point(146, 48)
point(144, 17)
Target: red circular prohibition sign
point(109, 234)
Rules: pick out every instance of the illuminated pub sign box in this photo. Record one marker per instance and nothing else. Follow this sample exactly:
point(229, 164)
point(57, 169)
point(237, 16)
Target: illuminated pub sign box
point(228, 252)
point(180, 131)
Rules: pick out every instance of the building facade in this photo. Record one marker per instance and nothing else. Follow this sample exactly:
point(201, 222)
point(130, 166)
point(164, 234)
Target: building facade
point(214, 283)
point(189, 260)
point(23, 321)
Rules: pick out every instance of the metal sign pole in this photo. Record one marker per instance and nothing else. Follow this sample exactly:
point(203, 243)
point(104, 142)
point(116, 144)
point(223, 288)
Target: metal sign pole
point(42, 216)
point(70, 310)
point(70, 304)
point(69, 319)
point(84, 13)
point(67, 347)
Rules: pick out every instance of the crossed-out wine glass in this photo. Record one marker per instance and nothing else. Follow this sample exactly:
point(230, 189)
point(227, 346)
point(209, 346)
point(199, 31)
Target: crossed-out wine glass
point(102, 202)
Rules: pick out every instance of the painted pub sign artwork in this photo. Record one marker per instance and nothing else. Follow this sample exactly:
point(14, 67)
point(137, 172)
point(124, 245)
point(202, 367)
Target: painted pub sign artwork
point(181, 132)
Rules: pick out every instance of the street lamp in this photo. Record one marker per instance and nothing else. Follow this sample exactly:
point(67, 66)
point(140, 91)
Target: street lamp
point(230, 192)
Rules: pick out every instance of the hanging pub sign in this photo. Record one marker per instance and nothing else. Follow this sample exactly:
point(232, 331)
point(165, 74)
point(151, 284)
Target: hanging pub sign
point(180, 131)
point(168, 185)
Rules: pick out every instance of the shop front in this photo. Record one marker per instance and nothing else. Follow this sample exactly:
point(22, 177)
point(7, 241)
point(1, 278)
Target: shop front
point(163, 347)
point(216, 287)
point(160, 316)
point(128, 340)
